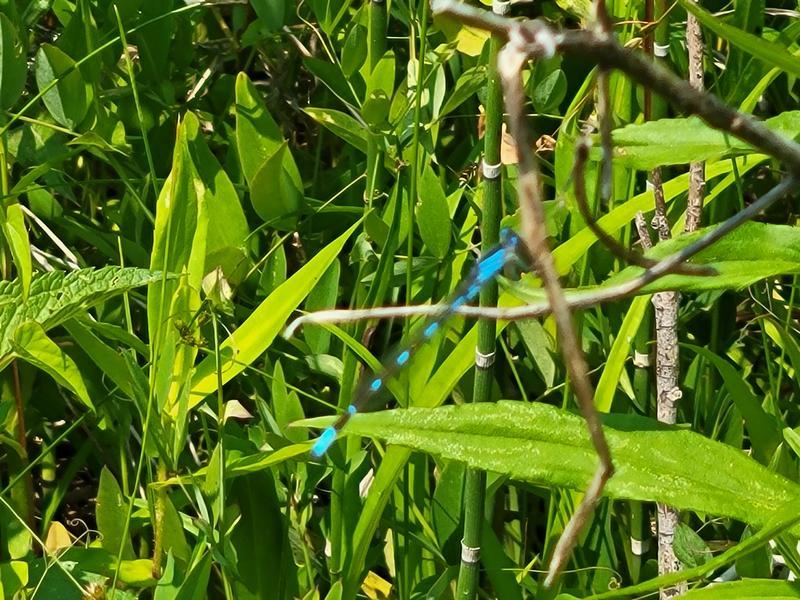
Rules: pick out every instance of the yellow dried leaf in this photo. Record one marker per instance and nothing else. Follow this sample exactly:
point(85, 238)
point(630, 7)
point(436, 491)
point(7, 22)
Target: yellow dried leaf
point(375, 587)
point(58, 537)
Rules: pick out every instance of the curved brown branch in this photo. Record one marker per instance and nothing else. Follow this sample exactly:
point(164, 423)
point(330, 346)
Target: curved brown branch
point(620, 251)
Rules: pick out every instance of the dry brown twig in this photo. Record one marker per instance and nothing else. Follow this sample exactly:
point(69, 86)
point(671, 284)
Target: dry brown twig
point(525, 42)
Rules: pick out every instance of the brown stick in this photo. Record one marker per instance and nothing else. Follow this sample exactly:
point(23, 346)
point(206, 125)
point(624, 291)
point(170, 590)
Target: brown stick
point(511, 60)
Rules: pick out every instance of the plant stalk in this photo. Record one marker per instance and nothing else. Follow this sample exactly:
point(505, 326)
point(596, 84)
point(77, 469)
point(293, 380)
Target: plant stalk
point(475, 480)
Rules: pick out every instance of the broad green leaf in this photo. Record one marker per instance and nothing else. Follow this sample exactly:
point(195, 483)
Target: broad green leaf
point(272, 192)
point(15, 236)
point(470, 40)
point(751, 253)
point(375, 110)
point(13, 577)
point(68, 96)
point(57, 296)
point(771, 53)
point(271, 12)
point(433, 216)
point(258, 136)
point(256, 334)
point(13, 65)
point(84, 560)
point(265, 565)
point(550, 91)
point(747, 589)
point(32, 345)
point(174, 539)
point(645, 146)
point(168, 585)
point(195, 586)
point(354, 49)
point(227, 238)
point(333, 78)
point(342, 125)
point(468, 84)
point(755, 565)
point(106, 358)
point(383, 75)
point(540, 444)
point(689, 547)
point(112, 513)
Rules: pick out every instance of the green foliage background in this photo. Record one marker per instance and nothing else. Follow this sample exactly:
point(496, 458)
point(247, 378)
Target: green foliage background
point(248, 160)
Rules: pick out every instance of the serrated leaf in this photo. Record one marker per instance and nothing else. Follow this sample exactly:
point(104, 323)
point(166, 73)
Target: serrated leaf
point(58, 296)
point(543, 445)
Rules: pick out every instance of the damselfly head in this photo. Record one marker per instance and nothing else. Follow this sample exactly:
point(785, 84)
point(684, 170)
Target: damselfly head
point(509, 239)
